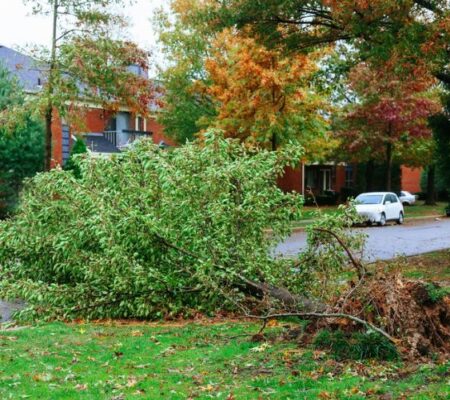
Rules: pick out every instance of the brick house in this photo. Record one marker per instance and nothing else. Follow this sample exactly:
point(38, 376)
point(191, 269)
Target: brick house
point(318, 178)
point(105, 132)
point(108, 133)
point(339, 179)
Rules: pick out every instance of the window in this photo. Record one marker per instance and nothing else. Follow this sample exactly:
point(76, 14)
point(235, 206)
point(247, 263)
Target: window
point(326, 179)
point(369, 199)
point(309, 181)
point(393, 198)
point(112, 124)
point(349, 176)
point(140, 124)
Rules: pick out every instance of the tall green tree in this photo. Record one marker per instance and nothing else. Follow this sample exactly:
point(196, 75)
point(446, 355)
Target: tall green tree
point(186, 45)
point(441, 131)
point(87, 64)
point(21, 150)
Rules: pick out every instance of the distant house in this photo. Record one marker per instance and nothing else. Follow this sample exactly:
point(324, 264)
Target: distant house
point(106, 133)
point(319, 179)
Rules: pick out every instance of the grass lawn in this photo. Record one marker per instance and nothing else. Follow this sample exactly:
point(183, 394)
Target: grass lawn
point(434, 266)
point(93, 361)
point(416, 211)
point(201, 361)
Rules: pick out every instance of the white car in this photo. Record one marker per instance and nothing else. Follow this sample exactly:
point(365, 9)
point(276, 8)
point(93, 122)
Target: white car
point(380, 207)
point(407, 198)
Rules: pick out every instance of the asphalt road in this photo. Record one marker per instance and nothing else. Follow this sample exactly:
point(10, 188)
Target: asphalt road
point(389, 241)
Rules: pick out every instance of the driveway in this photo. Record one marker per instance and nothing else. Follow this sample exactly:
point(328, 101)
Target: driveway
point(389, 241)
point(8, 308)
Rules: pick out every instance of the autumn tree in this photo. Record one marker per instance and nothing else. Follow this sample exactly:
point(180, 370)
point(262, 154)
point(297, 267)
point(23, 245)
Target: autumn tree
point(86, 64)
point(390, 115)
point(263, 97)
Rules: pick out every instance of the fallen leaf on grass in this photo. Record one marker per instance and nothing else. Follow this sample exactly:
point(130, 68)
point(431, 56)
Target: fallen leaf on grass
point(132, 381)
point(42, 377)
point(260, 349)
point(80, 387)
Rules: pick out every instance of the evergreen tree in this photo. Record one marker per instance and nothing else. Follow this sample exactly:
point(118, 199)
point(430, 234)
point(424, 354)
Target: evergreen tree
point(21, 148)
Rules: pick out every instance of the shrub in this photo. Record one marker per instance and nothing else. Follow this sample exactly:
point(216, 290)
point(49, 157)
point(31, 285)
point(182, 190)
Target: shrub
point(355, 345)
point(148, 233)
point(79, 147)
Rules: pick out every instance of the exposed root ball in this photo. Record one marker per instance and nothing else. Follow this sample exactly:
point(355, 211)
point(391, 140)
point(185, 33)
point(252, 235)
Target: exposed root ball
point(408, 310)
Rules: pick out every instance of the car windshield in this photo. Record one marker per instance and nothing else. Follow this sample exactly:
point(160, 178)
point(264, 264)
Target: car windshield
point(369, 199)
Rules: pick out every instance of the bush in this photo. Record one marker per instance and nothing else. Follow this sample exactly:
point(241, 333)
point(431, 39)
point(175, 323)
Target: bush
point(355, 345)
point(148, 233)
point(79, 147)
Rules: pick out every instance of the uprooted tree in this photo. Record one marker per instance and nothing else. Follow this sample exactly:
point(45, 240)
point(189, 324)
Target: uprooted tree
point(155, 233)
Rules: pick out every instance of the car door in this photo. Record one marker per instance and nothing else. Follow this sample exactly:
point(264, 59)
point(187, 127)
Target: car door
point(396, 206)
point(386, 206)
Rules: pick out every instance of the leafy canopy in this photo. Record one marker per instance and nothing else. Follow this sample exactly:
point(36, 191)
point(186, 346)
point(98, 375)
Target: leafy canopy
point(261, 96)
point(149, 233)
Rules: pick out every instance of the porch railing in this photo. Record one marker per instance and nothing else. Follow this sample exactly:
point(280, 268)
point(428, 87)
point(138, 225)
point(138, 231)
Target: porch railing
point(111, 136)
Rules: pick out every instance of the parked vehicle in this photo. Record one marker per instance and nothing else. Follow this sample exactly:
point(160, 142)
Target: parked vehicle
point(380, 207)
point(407, 198)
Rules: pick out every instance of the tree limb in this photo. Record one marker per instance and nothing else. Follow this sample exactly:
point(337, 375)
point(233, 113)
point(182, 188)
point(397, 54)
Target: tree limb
point(326, 315)
point(356, 263)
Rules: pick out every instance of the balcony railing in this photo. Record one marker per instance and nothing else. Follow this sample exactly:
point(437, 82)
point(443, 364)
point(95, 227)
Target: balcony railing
point(111, 136)
point(130, 136)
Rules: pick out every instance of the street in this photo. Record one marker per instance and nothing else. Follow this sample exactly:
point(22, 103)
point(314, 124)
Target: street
point(389, 241)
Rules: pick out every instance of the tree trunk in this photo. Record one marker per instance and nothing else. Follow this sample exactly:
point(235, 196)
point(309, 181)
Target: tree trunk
point(431, 190)
point(389, 167)
point(48, 138)
point(50, 90)
point(274, 142)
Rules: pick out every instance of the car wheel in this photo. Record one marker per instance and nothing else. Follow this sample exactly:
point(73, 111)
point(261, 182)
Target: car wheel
point(405, 203)
point(401, 218)
point(382, 221)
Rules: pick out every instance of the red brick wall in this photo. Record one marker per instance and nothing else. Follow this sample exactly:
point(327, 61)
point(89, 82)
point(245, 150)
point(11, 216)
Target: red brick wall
point(292, 180)
point(158, 132)
point(96, 120)
point(411, 179)
point(339, 181)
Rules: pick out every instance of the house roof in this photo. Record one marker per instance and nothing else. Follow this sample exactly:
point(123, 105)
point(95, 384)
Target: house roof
point(31, 74)
point(24, 68)
point(97, 143)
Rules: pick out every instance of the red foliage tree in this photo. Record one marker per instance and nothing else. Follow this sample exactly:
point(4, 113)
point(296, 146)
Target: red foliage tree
point(391, 113)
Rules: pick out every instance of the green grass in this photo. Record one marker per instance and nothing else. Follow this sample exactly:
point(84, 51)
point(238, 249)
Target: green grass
point(421, 210)
point(92, 361)
point(418, 210)
point(434, 266)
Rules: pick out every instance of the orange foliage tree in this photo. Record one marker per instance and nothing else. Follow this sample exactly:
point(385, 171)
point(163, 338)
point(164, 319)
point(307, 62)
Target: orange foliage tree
point(263, 97)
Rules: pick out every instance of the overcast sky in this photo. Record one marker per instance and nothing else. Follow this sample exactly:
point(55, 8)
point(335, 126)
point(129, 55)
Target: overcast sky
point(18, 27)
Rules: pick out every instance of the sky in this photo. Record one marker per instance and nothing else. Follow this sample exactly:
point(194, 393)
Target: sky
point(19, 28)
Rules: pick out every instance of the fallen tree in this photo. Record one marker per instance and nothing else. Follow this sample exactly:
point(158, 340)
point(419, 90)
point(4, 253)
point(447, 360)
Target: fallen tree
point(153, 233)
